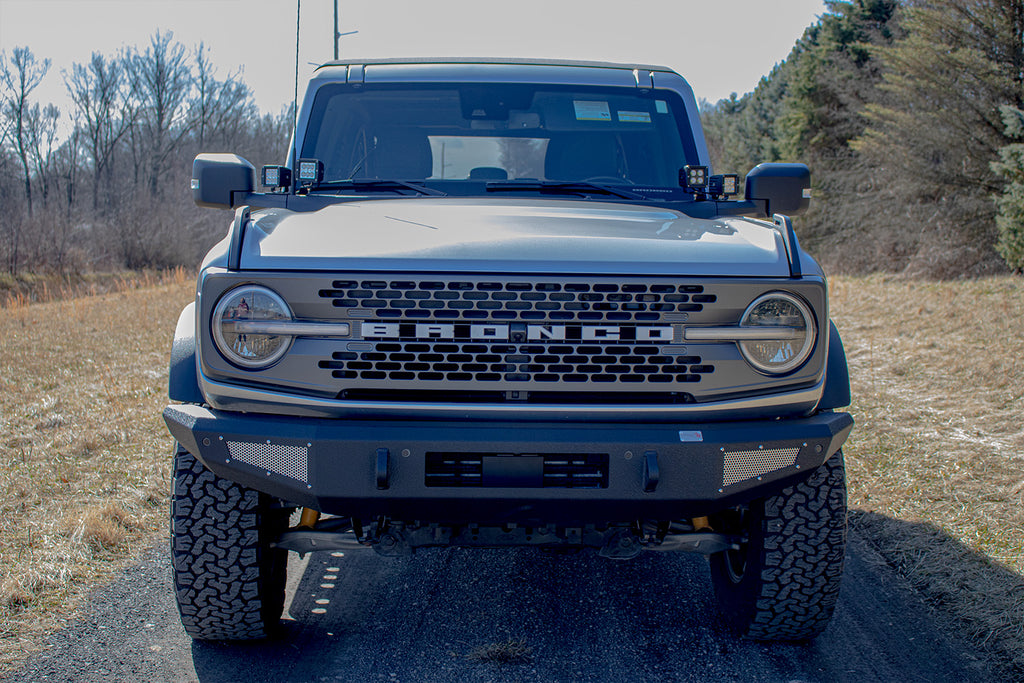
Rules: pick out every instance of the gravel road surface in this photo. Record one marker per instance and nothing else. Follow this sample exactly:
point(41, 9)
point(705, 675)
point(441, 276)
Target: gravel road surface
point(454, 615)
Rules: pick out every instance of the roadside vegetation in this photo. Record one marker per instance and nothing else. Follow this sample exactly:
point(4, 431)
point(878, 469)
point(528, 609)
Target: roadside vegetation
point(936, 462)
point(84, 455)
point(910, 115)
point(104, 184)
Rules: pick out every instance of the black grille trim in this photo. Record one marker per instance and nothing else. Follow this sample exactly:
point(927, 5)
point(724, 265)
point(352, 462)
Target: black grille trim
point(536, 364)
point(517, 335)
point(518, 397)
point(496, 300)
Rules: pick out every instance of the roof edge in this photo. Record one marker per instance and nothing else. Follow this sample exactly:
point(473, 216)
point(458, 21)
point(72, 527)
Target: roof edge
point(494, 60)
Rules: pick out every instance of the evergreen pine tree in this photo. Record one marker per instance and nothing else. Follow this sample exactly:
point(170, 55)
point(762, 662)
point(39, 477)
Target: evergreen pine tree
point(1010, 219)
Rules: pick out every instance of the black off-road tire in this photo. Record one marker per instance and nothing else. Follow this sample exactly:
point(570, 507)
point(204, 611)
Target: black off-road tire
point(784, 582)
point(228, 581)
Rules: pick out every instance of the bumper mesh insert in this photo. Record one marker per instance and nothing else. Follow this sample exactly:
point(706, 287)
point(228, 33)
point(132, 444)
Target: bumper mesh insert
point(743, 465)
point(288, 461)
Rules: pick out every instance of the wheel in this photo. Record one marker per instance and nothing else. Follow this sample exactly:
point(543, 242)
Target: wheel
point(228, 581)
point(782, 584)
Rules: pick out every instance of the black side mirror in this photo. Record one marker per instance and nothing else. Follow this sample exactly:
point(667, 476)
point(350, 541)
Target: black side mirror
point(785, 187)
point(216, 177)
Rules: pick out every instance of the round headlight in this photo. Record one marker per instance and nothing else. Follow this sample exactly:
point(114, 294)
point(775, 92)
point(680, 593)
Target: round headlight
point(236, 326)
point(789, 333)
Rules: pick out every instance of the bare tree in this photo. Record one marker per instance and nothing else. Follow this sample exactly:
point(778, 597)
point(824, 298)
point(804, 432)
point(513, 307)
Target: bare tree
point(43, 146)
point(206, 87)
point(9, 192)
point(102, 97)
point(157, 106)
point(219, 109)
point(69, 163)
point(161, 81)
point(19, 76)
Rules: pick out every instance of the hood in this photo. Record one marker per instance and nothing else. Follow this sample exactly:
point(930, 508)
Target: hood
point(510, 235)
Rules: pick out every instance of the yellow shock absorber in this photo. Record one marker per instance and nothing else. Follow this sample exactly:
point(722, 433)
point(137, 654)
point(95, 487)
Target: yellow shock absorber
point(699, 524)
point(309, 518)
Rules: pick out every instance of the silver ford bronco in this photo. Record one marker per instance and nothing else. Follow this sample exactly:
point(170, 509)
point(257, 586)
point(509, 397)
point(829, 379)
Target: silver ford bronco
point(492, 303)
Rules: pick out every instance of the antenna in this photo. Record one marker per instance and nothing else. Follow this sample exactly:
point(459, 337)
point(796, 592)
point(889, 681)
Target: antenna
point(295, 97)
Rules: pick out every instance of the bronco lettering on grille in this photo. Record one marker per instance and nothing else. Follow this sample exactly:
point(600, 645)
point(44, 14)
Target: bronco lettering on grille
point(523, 332)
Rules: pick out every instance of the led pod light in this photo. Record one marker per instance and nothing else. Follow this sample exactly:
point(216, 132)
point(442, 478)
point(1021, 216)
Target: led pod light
point(782, 333)
point(275, 176)
point(249, 327)
point(311, 171)
point(693, 177)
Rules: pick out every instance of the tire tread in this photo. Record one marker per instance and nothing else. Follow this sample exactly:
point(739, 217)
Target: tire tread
point(794, 561)
point(227, 584)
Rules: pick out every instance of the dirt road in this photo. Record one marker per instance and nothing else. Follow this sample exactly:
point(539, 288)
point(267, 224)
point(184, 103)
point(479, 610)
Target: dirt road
point(453, 615)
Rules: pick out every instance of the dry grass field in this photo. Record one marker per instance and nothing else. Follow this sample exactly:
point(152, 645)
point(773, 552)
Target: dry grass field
point(84, 455)
point(936, 462)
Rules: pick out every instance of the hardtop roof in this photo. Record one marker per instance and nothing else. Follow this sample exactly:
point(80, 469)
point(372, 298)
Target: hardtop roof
point(494, 60)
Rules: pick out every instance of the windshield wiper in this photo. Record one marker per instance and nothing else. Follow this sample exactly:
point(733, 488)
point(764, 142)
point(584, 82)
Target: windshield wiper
point(376, 184)
point(560, 186)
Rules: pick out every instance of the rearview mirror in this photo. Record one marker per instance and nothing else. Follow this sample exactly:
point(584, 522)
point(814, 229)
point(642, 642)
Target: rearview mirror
point(785, 187)
point(217, 177)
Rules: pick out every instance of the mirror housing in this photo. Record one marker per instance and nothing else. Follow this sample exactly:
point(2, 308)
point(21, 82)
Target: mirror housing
point(786, 188)
point(217, 177)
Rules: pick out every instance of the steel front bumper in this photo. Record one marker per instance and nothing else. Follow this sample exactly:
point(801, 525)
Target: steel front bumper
point(366, 468)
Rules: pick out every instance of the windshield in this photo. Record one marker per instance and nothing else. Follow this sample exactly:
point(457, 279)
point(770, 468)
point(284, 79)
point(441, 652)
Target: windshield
point(498, 132)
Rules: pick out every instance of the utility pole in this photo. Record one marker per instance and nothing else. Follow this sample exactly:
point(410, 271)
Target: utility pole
point(336, 33)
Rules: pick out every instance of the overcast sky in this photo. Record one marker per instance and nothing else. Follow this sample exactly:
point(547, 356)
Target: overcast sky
point(720, 47)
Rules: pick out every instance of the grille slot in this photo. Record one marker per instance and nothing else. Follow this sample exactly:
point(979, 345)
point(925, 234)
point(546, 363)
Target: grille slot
point(526, 301)
point(560, 470)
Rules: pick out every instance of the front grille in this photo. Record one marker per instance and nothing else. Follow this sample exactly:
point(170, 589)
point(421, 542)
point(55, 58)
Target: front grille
point(539, 364)
point(474, 300)
point(516, 336)
point(557, 470)
point(381, 340)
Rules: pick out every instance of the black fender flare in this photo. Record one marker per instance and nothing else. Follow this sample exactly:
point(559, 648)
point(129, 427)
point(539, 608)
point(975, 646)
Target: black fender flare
point(836, 393)
point(183, 376)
